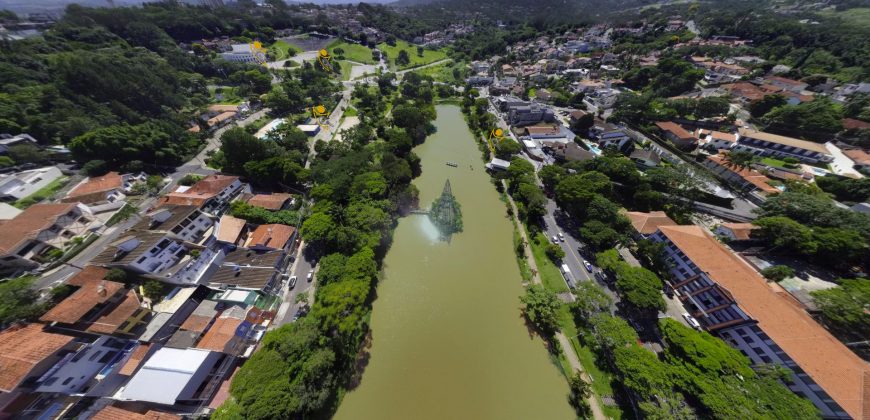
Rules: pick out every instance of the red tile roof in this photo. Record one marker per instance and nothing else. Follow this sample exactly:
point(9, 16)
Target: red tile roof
point(230, 228)
point(95, 188)
point(82, 301)
point(29, 223)
point(22, 348)
point(116, 413)
point(219, 335)
point(135, 359)
point(851, 124)
point(649, 223)
point(110, 321)
point(274, 236)
point(200, 192)
point(858, 156)
point(741, 231)
point(749, 175)
point(270, 201)
point(832, 366)
point(675, 129)
point(88, 274)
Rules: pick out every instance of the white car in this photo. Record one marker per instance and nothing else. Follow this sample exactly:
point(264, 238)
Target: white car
point(292, 282)
point(310, 276)
point(555, 239)
point(587, 265)
point(692, 321)
point(561, 237)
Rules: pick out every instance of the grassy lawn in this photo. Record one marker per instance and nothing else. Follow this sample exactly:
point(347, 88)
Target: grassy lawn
point(352, 52)
point(346, 68)
point(41, 194)
point(350, 112)
point(551, 277)
point(225, 95)
point(429, 56)
point(280, 50)
point(444, 72)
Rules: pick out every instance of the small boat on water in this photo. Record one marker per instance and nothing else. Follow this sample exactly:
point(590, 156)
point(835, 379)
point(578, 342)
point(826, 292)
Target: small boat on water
point(453, 164)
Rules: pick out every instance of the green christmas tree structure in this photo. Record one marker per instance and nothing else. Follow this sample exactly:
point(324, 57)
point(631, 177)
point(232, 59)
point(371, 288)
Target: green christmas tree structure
point(446, 213)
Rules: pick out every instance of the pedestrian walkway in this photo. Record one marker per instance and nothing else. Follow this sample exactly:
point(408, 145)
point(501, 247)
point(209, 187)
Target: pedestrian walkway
point(564, 342)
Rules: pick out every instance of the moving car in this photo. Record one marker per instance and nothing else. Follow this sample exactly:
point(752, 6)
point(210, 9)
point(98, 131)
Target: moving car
point(692, 321)
point(292, 283)
point(561, 237)
point(587, 265)
point(310, 276)
point(555, 239)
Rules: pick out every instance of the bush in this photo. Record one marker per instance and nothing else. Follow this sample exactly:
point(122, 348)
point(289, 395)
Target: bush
point(153, 290)
point(189, 179)
point(95, 167)
point(777, 272)
point(116, 274)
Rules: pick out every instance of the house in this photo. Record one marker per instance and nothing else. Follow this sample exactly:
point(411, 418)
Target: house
point(609, 135)
point(715, 140)
point(734, 232)
point(498, 164)
point(173, 376)
point(676, 134)
point(732, 301)
point(26, 353)
point(479, 80)
point(143, 252)
point(190, 331)
point(16, 186)
point(8, 140)
point(229, 333)
point(170, 313)
point(37, 230)
point(766, 144)
point(230, 230)
point(220, 118)
point(211, 194)
point(274, 201)
point(247, 269)
point(756, 183)
point(83, 371)
point(783, 83)
point(94, 298)
point(646, 224)
point(188, 223)
point(555, 132)
point(576, 115)
point(272, 237)
point(244, 53)
point(568, 152)
point(110, 187)
point(645, 158)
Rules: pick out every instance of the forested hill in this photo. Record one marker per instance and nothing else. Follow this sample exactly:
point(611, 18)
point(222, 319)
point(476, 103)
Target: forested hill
point(524, 10)
point(114, 81)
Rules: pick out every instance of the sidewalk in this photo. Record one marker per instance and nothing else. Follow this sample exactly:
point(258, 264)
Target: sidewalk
point(567, 348)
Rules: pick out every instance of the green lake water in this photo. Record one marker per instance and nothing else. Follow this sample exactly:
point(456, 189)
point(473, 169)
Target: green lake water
point(449, 340)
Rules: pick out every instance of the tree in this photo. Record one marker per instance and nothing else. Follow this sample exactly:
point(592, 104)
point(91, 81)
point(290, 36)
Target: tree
point(766, 104)
point(419, 51)
point(153, 290)
point(116, 275)
point(554, 252)
point(777, 272)
point(507, 148)
point(541, 307)
point(785, 233)
point(640, 288)
point(18, 302)
point(591, 300)
point(403, 59)
point(816, 118)
point(599, 234)
point(610, 333)
point(740, 159)
point(845, 307)
point(580, 391)
point(582, 125)
point(551, 175)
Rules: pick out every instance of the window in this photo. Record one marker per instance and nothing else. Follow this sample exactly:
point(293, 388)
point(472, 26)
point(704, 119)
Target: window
point(95, 355)
point(141, 260)
point(67, 381)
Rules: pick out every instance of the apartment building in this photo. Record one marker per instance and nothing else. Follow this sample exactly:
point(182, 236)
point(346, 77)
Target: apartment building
point(110, 187)
point(211, 194)
point(766, 144)
point(22, 184)
point(188, 223)
point(143, 252)
point(732, 301)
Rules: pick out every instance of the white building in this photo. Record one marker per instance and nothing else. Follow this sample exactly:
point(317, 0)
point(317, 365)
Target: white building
point(111, 187)
point(731, 300)
point(22, 184)
point(143, 252)
point(78, 371)
point(244, 53)
point(7, 141)
point(188, 223)
point(171, 376)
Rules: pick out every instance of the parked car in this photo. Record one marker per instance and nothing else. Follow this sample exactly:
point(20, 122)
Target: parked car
point(310, 276)
point(587, 265)
point(292, 282)
point(692, 321)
